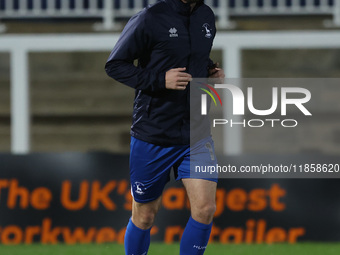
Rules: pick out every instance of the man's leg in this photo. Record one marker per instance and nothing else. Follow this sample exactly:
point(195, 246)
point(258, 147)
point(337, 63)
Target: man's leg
point(202, 197)
point(150, 167)
point(137, 236)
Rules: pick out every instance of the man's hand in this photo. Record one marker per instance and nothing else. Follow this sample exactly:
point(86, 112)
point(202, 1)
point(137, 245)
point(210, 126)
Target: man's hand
point(216, 72)
point(177, 79)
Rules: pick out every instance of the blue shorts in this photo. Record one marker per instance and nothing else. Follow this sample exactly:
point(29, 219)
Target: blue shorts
point(150, 165)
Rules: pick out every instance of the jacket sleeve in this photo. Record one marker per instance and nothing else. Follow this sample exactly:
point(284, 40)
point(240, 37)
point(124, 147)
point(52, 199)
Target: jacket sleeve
point(134, 41)
point(211, 63)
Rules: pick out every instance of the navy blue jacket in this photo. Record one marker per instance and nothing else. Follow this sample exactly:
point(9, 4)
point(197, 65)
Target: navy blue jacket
point(163, 36)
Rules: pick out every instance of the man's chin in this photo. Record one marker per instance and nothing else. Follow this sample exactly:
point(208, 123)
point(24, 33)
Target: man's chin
point(193, 1)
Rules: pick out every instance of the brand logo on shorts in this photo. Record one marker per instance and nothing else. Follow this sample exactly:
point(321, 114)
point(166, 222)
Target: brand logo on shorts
point(139, 188)
point(211, 151)
point(173, 32)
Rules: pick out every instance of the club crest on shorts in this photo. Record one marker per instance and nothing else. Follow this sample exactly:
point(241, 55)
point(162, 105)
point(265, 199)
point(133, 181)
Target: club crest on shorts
point(139, 188)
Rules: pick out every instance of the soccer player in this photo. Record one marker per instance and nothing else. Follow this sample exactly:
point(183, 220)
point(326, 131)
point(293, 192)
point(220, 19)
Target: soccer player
point(172, 40)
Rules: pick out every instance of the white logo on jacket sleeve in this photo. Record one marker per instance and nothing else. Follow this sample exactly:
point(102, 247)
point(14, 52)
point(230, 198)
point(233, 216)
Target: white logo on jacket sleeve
point(173, 32)
point(207, 30)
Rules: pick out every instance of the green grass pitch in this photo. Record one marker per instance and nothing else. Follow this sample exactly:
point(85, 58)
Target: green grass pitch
point(163, 249)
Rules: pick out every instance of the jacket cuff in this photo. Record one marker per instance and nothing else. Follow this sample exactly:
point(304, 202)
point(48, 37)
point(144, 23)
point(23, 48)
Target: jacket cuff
point(210, 64)
point(160, 81)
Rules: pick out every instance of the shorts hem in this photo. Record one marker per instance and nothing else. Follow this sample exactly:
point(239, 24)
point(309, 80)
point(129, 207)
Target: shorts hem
point(198, 178)
point(144, 201)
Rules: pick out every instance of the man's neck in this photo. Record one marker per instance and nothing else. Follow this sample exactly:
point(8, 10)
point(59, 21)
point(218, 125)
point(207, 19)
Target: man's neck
point(192, 4)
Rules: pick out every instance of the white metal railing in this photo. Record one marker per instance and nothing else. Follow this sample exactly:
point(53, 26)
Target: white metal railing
point(19, 47)
point(110, 10)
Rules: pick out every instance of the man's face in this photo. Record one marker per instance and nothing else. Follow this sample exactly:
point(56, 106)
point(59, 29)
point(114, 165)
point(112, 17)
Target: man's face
point(191, 1)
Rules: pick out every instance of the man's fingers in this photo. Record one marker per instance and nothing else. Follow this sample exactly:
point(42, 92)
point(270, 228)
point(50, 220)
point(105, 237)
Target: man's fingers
point(182, 84)
point(182, 74)
point(177, 78)
point(180, 69)
point(186, 78)
point(216, 72)
point(181, 79)
point(181, 87)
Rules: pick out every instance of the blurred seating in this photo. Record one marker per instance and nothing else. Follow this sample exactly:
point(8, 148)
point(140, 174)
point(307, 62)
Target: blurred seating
point(112, 10)
point(75, 106)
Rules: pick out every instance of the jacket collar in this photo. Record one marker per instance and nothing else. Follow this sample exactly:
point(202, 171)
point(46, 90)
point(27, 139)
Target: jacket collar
point(182, 8)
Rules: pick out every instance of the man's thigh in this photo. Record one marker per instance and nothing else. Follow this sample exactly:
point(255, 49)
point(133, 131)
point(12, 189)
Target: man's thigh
point(200, 192)
point(202, 197)
point(200, 187)
point(150, 167)
point(143, 214)
point(200, 155)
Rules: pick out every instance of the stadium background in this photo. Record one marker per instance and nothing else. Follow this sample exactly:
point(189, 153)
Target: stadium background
point(73, 187)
